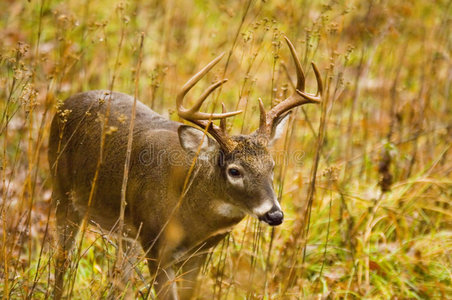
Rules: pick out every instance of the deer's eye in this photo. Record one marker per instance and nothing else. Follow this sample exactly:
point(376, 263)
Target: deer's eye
point(234, 172)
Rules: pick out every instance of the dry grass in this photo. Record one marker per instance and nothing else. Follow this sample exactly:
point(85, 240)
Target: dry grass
point(377, 220)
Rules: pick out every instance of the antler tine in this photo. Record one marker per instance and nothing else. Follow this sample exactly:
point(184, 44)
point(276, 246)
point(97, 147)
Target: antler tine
point(192, 81)
point(298, 68)
point(263, 115)
point(299, 97)
point(318, 96)
point(193, 113)
point(202, 119)
point(204, 96)
point(223, 121)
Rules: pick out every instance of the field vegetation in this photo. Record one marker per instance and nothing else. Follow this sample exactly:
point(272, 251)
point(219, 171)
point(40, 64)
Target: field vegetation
point(365, 178)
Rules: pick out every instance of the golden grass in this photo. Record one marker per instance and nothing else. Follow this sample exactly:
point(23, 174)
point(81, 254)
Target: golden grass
point(379, 221)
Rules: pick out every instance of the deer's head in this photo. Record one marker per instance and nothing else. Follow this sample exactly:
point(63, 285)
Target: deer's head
point(244, 162)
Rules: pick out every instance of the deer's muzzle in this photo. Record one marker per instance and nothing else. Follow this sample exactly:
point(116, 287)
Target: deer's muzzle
point(274, 217)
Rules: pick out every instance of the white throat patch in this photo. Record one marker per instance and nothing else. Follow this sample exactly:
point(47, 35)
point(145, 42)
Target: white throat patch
point(226, 210)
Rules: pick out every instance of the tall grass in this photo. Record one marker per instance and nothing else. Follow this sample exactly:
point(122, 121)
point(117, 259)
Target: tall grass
point(366, 179)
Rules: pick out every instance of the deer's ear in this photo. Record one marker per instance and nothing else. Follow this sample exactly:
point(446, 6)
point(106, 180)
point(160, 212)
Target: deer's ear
point(279, 127)
point(193, 140)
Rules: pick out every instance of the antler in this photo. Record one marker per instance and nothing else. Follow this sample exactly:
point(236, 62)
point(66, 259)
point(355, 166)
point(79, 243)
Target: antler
point(204, 120)
point(299, 97)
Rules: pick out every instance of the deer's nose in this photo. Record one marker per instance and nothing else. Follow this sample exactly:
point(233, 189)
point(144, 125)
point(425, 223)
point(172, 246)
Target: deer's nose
point(273, 217)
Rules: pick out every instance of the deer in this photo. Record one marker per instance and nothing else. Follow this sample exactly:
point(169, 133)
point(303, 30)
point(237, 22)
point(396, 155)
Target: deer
point(194, 179)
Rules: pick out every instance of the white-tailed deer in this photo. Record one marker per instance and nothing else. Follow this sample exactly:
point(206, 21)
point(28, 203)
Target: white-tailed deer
point(229, 176)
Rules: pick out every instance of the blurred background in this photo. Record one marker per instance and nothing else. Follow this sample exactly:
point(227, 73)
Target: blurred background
point(365, 178)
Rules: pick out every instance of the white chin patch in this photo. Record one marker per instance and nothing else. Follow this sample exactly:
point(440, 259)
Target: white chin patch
point(263, 208)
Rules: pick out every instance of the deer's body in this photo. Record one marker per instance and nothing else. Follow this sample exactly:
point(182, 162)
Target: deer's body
point(158, 169)
point(185, 189)
point(155, 182)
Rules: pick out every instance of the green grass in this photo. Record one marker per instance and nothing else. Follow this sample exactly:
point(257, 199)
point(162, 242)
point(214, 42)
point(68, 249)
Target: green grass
point(387, 113)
